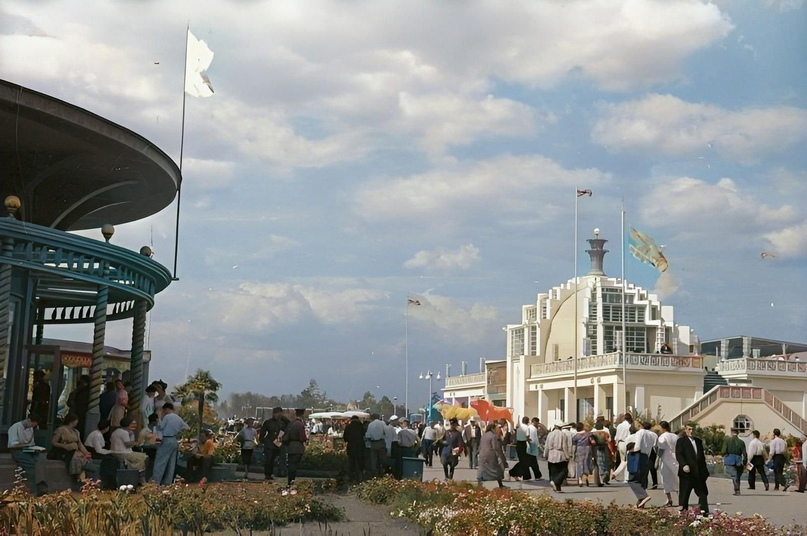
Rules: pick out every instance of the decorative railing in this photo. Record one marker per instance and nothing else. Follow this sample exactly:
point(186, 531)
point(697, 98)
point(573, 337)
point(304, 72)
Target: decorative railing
point(745, 365)
point(614, 360)
point(466, 380)
point(731, 392)
point(68, 259)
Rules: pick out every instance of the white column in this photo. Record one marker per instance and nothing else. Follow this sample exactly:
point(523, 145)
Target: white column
point(568, 397)
point(599, 399)
point(639, 401)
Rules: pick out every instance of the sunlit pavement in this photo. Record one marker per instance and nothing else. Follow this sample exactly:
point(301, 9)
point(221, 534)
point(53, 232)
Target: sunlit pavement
point(781, 508)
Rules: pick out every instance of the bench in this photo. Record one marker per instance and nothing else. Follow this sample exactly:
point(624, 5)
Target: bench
point(56, 475)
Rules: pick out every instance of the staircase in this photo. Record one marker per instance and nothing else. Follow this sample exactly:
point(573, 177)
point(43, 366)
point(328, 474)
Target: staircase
point(713, 379)
point(722, 393)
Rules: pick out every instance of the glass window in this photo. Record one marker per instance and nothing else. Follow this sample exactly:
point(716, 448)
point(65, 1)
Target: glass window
point(517, 342)
point(533, 340)
point(742, 423)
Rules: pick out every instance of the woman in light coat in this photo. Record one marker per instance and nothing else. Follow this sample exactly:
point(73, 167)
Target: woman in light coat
point(668, 465)
point(491, 456)
point(558, 448)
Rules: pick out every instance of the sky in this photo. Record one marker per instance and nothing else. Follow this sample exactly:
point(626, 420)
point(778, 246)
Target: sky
point(358, 154)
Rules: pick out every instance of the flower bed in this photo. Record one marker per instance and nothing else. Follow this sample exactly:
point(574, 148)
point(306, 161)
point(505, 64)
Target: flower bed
point(193, 509)
point(449, 508)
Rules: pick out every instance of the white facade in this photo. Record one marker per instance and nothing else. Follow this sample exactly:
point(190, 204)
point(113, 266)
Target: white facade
point(584, 318)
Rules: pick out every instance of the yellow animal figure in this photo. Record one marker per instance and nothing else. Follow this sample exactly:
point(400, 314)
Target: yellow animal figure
point(456, 412)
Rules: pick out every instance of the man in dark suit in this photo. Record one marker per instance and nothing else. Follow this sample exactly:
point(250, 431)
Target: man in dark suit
point(354, 438)
point(692, 471)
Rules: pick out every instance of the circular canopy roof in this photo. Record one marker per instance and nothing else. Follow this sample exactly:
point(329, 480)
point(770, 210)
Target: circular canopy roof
point(75, 170)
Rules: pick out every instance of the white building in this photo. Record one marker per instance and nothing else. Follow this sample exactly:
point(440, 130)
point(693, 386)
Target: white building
point(584, 317)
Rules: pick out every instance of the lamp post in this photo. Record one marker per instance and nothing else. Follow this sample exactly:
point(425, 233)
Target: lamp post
point(428, 376)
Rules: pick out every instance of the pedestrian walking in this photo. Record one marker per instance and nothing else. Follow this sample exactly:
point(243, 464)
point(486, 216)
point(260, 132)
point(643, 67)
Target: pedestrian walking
point(558, 450)
point(692, 471)
point(583, 459)
point(492, 462)
point(777, 451)
point(450, 454)
point(639, 463)
point(756, 461)
point(668, 465)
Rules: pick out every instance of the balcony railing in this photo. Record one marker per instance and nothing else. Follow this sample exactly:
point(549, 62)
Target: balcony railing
point(466, 380)
point(760, 366)
point(690, 363)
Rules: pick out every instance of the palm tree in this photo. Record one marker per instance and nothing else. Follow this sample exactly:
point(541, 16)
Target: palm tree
point(202, 388)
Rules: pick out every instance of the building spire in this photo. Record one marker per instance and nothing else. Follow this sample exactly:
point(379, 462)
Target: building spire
point(596, 253)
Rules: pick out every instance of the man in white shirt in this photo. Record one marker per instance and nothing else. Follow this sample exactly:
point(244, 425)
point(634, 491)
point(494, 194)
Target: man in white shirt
point(96, 442)
point(23, 451)
point(778, 447)
point(623, 430)
point(756, 458)
point(644, 441)
point(427, 442)
point(121, 443)
point(378, 451)
point(534, 447)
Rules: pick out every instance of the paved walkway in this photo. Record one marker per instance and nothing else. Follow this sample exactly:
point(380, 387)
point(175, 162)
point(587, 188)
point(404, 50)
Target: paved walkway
point(781, 508)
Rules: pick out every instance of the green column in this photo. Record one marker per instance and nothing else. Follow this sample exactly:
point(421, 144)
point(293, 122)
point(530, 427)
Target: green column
point(5, 315)
point(96, 371)
point(136, 363)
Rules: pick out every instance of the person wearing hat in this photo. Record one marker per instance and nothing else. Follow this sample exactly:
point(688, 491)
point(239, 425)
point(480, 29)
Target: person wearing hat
point(734, 457)
point(471, 435)
point(391, 442)
point(450, 455)
point(271, 436)
point(558, 448)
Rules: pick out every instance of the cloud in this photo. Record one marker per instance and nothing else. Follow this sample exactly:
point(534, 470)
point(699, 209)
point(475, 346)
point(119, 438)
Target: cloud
point(443, 260)
point(467, 191)
point(703, 211)
point(452, 119)
point(666, 285)
point(668, 125)
point(271, 306)
point(453, 320)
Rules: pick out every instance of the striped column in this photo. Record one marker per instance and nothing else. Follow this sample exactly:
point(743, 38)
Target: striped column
point(136, 362)
point(5, 315)
point(96, 371)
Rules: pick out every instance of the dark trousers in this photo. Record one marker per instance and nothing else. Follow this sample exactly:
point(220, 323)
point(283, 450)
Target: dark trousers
point(378, 455)
point(426, 449)
point(759, 467)
point(522, 468)
point(355, 459)
point(473, 451)
point(532, 463)
point(269, 461)
point(246, 458)
point(199, 467)
point(557, 473)
point(802, 472)
point(686, 486)
point(653, 472)
point(449, 463)
point(779, 470)
point(292, 461)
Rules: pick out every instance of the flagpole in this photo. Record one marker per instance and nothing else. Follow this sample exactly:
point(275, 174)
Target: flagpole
point(576, 320)
point(624, 332)
point(181, 152)
point(406, 358)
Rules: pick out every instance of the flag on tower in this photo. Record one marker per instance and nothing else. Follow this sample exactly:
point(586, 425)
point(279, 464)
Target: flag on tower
point(581, 193)
point(410, 301)
point(198, 59)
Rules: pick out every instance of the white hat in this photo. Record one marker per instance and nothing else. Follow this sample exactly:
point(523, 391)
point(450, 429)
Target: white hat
point(393, 418)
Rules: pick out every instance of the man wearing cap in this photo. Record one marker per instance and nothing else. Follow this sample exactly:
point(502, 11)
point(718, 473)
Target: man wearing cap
point(271, 436)
point(391, 444)
point(296, 439)
point(471, 435)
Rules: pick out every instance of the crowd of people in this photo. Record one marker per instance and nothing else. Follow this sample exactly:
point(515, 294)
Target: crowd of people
point(117, 441)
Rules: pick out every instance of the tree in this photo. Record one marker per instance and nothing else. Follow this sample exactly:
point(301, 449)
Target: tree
point(201, 388)
point(386, 407)
point(312, 396)
point(368, 402)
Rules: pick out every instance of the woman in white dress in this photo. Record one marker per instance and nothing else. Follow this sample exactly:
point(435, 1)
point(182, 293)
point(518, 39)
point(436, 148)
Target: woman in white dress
point(668, 465)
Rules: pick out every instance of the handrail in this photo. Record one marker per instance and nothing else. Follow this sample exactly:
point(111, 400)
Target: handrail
point(78, 258)
point(733, 392)
point(465, 379)
point(761, 364)
point(612, 360)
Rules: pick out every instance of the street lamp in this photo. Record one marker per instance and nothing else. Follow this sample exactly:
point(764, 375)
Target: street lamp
point(428, 376)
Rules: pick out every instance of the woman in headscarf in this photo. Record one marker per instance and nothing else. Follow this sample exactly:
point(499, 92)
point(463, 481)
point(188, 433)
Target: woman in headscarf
point(558, 448)
point(491, 456)
point(583, 460)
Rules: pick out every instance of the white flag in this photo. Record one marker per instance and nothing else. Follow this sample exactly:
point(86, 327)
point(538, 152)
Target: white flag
point(196, 63)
